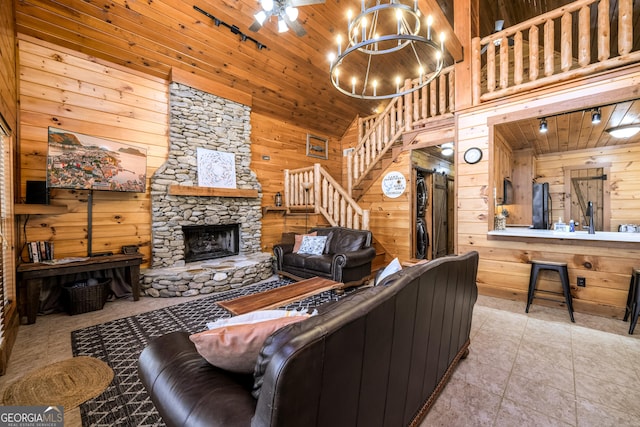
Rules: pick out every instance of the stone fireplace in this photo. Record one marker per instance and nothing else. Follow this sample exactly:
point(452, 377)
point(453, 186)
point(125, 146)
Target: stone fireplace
point(201, 120)
point(202, 242)
point(179, 265)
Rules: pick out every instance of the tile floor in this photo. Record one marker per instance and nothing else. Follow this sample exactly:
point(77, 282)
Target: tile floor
point(523, 370)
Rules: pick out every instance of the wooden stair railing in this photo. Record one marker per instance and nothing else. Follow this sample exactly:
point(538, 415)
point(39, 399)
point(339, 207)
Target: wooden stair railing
point(312, 188)
point(380, 133)
point(514, 50)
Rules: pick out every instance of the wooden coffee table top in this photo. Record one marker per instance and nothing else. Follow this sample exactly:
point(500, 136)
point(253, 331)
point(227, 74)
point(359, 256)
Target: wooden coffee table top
point(281, 296)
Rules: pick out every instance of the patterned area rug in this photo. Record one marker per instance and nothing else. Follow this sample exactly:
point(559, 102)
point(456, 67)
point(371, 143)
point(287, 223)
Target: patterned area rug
point(119, 343)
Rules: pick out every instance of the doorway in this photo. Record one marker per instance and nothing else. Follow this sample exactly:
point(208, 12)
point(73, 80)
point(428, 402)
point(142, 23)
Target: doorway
point(588, 184)
point(433, 208)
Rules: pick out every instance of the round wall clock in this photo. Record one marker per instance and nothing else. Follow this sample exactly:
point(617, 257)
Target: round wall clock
point(473, 155)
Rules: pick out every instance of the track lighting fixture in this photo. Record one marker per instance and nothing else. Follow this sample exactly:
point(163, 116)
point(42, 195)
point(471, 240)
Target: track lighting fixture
point(233, 28)
point(543, 125)
point(595, 116)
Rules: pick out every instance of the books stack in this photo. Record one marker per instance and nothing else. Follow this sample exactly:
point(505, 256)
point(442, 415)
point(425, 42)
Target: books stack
point(40, 251)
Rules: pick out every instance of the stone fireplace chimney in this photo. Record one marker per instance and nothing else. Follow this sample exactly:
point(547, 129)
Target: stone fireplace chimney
point(202, 120)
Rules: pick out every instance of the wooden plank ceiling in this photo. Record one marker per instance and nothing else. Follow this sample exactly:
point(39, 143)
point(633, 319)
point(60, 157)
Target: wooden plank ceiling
point(573, 130)
point(288, 80)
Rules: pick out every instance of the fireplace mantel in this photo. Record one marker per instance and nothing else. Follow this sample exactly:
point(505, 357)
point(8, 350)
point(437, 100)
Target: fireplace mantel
point(194, 190)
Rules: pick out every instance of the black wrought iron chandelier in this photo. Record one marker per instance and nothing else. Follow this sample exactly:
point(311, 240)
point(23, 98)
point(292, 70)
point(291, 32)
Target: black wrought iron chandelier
point(387, 54)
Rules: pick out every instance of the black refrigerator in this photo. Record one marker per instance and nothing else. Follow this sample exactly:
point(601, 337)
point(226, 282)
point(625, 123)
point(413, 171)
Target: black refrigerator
point(541, 204)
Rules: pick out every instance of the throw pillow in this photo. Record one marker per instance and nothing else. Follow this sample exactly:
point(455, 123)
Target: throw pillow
point(327, 245)
point(235, 347)
point(298, 240)
point(312, 245)
point(393, 267)
point(255, 317)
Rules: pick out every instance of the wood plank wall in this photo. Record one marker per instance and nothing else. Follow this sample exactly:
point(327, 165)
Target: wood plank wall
point(69, 90)
point(390, 219)
point(522, 176)
point(76, 92)
point(9, 112)
point(503, 156)
point(504, 269)
point(8, 95)
point(276, 146)
point(622, 184)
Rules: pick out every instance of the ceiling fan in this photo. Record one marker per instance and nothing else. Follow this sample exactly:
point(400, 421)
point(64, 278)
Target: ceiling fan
point(286, 11)
point(499, 25)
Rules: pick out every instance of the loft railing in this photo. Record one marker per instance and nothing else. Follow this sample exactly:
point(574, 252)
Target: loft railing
point(377, 133)
point(313, 188)
point(525, 56)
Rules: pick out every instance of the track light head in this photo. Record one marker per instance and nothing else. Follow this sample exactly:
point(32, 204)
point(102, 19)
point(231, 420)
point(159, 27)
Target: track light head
point(595, 116)
point(543, 125)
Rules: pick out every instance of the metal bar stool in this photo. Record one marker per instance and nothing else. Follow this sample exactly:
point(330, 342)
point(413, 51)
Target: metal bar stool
point(561, 268)
point(633, 300)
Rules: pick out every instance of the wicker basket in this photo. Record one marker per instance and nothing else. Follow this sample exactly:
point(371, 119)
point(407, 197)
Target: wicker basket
point(84, 296)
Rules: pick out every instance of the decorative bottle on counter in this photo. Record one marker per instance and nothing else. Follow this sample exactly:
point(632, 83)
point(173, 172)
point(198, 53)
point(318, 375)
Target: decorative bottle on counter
point(572, 226)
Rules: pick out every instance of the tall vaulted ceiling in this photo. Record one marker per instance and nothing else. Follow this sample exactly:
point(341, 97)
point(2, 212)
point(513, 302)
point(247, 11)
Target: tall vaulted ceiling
point(288, 80)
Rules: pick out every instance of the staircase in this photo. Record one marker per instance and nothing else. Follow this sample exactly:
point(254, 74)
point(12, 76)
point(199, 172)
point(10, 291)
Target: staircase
point(380, 136)
point(380, 142)
point(312, 189)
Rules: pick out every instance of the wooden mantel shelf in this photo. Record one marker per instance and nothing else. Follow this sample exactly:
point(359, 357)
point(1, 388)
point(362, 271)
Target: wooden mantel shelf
point(193, 190)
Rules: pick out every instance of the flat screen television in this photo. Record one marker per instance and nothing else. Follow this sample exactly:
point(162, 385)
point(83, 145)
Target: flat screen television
point(83, 162)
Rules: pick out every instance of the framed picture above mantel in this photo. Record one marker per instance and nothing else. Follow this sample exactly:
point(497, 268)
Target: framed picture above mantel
point(317, 146)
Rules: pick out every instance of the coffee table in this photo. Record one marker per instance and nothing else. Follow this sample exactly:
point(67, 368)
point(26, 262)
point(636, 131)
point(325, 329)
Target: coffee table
point(281, 296)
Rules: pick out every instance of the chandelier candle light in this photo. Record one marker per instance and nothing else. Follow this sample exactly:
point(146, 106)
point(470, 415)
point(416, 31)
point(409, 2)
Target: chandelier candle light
point(384, 36)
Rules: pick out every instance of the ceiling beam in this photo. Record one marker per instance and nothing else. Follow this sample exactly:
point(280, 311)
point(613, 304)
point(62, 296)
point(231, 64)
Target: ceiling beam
point(440, 24)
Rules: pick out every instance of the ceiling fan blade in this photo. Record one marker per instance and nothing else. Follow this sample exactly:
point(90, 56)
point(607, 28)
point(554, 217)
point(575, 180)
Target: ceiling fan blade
point(484, 49)
point(295, 26)
point(298, 3)
point(255, 26)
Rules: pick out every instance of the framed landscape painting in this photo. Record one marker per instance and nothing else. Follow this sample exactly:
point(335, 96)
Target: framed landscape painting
point(84, 162)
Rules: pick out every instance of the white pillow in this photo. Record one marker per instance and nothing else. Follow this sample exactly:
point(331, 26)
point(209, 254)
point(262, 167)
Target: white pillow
point(393, 267)
point(256, 316)
point(312, 245)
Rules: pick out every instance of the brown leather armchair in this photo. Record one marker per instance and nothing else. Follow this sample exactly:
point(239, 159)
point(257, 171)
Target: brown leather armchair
point(347, 258)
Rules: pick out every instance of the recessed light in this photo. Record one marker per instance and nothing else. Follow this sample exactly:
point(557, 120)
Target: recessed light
point(626, 131)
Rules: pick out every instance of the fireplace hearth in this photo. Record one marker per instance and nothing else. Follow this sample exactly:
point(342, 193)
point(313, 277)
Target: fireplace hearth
point(203, 242)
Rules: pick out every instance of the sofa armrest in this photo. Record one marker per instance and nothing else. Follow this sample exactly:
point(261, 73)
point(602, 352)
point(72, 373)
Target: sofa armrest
point(354, 258)
point(187, 390)
point(279, 250)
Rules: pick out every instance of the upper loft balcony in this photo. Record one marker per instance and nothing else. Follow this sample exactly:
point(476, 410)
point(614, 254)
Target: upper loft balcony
point(580, 39)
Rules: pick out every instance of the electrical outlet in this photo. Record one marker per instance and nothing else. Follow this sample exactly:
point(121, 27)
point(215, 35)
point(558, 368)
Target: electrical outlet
point(582, 282)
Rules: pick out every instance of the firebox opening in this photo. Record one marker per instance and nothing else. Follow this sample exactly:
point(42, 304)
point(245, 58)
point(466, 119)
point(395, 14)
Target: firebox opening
point(210, 241)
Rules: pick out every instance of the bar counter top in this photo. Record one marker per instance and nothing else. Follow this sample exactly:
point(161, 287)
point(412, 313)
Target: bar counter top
point(560, 236)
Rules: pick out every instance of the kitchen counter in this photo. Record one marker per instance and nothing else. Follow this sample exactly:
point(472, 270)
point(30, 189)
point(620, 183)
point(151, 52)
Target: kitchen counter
point(551, 236)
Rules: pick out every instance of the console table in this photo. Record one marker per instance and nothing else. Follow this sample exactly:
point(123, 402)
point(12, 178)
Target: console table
point(31, 275)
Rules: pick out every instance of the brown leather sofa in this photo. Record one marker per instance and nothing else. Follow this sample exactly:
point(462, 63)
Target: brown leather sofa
point(347, 258)
point(377, 357)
